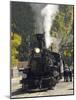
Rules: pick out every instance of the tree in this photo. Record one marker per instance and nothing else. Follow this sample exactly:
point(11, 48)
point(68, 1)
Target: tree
point(62, 29)
point(22, 22)
point(15, 42)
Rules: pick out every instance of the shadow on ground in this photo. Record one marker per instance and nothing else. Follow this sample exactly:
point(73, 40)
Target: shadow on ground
point(21, 91)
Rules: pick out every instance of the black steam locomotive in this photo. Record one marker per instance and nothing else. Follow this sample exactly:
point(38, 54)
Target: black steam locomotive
point(44, 68)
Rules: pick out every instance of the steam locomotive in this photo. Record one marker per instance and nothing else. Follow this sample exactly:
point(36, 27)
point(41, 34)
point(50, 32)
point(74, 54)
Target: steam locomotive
point(44, 68)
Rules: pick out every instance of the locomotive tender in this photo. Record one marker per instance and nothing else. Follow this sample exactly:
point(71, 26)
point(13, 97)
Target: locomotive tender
point(44, 68)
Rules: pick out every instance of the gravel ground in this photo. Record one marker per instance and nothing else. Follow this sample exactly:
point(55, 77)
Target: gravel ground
point(62, 88)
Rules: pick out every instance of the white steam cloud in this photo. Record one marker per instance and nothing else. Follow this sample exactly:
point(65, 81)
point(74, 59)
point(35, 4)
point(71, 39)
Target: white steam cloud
point(48, 13)
point(44, 16)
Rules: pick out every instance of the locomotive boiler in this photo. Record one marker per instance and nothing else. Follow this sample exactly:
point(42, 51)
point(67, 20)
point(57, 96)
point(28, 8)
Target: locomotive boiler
point(44, 68)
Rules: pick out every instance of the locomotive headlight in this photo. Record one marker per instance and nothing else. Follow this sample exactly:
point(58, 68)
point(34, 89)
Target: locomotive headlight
point(37, 50)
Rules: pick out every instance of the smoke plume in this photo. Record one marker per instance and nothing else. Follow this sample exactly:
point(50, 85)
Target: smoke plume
point(37, 8)
point(48, 13)
point(44, 16)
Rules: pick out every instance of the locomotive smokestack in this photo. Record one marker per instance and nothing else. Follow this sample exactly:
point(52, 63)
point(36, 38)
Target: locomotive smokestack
point(41, 40)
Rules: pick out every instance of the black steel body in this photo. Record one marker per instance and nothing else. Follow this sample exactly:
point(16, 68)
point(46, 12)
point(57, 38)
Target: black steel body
point(43, 69)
